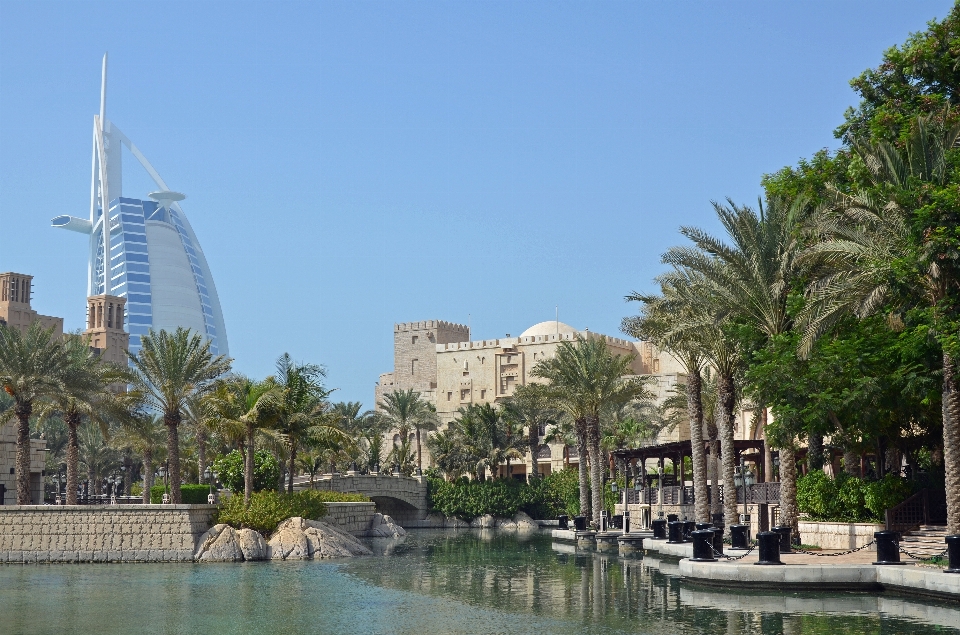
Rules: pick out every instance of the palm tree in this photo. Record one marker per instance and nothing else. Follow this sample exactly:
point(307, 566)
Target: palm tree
point(311, 462)
point(32, 367)
point(85, 394)
point(144, 435)
point(239, 403)
point(198, 415)
point(97, 455)
point(868, 258)
point(532, 406)
point(404, 410)
point(587, 378)
point(750, 279)
point(168, 369)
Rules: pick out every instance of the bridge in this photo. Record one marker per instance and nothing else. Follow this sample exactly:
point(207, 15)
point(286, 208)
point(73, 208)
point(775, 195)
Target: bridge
point(404, 497)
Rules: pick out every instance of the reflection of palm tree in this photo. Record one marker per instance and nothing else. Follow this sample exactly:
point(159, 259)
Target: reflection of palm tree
point(169, 368)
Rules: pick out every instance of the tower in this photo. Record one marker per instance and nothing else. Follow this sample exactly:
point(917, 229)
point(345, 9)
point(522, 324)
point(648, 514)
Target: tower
point(105, 317)
point(16, 291)
point(144, 250)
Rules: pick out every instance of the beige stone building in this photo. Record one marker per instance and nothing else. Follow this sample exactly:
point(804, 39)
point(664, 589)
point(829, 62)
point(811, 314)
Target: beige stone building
point(439, 360)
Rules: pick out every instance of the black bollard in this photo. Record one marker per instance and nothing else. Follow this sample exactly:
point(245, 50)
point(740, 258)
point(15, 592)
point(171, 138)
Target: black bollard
point(703, 545)
point(688, 528)
point(718, 539)
point(675, 531)
point(888, 549)
point(785, 534)
point(953, 554)
point(672, 518)
point(580, 523)
point(626, 522)
point(769, 547)
point(739, 535)
point(563, 521)
point(659, 529)
point(702, 526)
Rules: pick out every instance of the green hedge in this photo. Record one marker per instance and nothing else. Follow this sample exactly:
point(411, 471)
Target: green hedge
point(269, 508)
point(545, 497)
point(848, 498)
point(191, 494)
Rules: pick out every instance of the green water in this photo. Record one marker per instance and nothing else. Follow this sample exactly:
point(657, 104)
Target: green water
point(432, 582)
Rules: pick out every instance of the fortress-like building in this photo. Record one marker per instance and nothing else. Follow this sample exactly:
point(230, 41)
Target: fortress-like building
point(439, 360)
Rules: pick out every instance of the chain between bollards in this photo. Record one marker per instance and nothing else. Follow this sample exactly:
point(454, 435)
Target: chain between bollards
point(828, 555)
point(916, 557)
point(718, 554)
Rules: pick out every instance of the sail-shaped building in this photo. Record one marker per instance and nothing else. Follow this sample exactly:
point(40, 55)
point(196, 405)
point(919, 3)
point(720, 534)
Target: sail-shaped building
point(149, 260)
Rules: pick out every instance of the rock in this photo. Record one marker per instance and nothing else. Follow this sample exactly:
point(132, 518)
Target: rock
point(219, 544)
point(453, 522)
point(524, 522)
point(382, 526)
point(252, 545)
point(507, 524)
point(436, 519)
point(300, 539)
point(483, 522)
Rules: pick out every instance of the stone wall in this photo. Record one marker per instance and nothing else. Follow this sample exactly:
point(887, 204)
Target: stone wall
point(837, 535)
point(353, 518)
point(102, 533)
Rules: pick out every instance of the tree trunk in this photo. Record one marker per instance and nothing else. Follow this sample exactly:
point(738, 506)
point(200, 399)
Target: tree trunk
point(533, 440)
point(72, 420)
point(814, 451)
point(728, 456)
point(23, 412)
point(951, 443)
point(147, 475)
point(248, 467)
point(788, 491)
point(584, 477)
point(172, 420)
point(596, 468)
point(127, 472)
point(419, 454)
point(715, 506)
point(851, 461)
point(293, 458)
point(697, 454)
point(768, 475)
point(201, 455)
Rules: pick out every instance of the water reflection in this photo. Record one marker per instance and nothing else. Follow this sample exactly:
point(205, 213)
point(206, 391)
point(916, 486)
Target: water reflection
point(531, 575)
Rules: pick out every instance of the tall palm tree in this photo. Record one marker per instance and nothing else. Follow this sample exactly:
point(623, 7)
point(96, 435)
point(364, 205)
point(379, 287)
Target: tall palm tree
point(32, 367)
point(86, 393)
point(587, 378)
point(240, 403)
point(144, 435)
point(168, 369)
point(97, 455)
point(749, 277)
point(869, 257)
point(198, 416)
point(406, 410)
point(532, 406)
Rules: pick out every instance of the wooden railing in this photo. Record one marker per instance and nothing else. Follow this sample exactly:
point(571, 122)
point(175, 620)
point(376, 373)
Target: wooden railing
point(926, 507)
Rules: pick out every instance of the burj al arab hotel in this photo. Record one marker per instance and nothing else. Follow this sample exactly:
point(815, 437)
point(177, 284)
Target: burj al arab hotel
point(150, 260)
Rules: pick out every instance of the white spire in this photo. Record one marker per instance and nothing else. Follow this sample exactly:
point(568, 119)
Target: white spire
point(103, 93)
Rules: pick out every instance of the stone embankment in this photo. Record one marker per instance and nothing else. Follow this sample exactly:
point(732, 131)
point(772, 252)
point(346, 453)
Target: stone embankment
point(167, 533)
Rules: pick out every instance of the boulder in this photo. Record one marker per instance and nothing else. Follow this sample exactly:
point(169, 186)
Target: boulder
point(524, 522)
point(435, 519)
point(382, 526)
point(483, 522)
point(453, 522)
point(507, 524)
point(252, 544)
point(219, 544)
point(301, 539)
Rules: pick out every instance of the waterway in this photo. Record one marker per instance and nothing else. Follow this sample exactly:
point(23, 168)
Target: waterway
point(433, 582)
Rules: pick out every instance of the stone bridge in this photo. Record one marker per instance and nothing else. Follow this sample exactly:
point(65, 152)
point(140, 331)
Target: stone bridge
point(404, 498)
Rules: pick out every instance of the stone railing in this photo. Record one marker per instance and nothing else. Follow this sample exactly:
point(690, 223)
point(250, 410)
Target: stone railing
point(837, 535)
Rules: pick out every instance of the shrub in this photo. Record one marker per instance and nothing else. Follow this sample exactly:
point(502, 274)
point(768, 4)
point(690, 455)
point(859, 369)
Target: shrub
point(266, 471)
point(848, 498)
point(541, 498)
point(889, 491)
point(191, 494)
point(269, 508)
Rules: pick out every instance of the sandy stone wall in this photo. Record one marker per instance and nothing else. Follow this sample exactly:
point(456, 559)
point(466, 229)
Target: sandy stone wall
point(353, 518)
point(838, 535)
point(95, 533)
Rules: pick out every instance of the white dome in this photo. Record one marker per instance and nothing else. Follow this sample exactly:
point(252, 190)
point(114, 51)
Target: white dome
point(549, 328)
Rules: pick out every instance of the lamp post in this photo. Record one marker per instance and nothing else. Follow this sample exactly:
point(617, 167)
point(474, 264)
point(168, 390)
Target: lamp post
point(743, 481)
point(59, 500)
point(210, 476)
point(114, 486)
point(164, 470)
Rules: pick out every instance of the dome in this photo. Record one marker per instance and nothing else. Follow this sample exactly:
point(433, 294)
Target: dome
point(551, 327)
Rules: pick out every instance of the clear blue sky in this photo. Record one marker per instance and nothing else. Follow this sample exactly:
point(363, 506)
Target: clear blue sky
point(354, 164)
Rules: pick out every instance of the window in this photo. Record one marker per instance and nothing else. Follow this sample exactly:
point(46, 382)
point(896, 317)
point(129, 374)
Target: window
point(483, 394)
point(464, 394)
point(413, 340)
point(449, 396)
point(413, 366)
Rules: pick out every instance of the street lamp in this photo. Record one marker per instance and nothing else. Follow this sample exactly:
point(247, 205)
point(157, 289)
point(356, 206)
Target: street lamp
point(164, 470)
point(209, 475)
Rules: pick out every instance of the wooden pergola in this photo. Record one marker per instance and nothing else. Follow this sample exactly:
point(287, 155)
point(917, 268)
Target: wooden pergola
point(751, 451)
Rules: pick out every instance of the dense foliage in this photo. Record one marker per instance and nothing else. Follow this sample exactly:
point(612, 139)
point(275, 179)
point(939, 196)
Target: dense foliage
point(546, 497)
point(266, 471)
point(269, 508)
point(849, 498)
point(192, 494)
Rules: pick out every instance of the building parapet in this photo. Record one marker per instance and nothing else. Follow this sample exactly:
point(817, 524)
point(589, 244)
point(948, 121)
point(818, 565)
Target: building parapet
point(507, 342)
point(431, 324)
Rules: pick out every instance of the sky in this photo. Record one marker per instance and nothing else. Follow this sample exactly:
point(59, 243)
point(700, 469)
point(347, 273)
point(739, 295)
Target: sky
point(351, 165)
